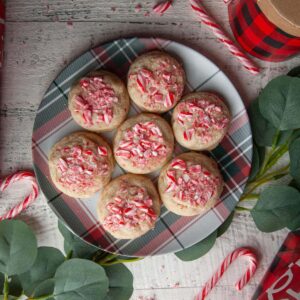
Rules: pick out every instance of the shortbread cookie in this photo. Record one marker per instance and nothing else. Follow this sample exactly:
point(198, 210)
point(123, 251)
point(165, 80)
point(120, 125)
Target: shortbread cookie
point(129, 206)
point(99, 101)
point(156, 81)
point(190, 184)
point(143, 144)
point(81, 164)
point(200, 121)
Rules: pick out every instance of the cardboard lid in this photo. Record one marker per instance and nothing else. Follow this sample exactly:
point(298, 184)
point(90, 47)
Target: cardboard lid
point(285, 14)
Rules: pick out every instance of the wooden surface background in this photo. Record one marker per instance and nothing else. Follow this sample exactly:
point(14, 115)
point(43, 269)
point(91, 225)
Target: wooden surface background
point(41, 38)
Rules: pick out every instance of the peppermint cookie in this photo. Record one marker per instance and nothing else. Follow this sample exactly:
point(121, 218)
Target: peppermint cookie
point(143, 144)
point(156, 81)
point(81, 164)
point(200, 121)
point(129, 206)
point(99, 101)
point(190, 184)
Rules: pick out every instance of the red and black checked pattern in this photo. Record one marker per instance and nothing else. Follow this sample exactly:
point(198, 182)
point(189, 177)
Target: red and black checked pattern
point(282, 279)
point(257, 35)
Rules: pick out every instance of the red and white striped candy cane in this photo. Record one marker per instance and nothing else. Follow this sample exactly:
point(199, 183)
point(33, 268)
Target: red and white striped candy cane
point(244, 252)
point(222, 37)
point(8, 181)
point(162, 7)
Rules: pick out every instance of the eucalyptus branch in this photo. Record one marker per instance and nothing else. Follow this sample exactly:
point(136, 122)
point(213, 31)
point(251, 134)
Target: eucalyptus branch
point(5, 287)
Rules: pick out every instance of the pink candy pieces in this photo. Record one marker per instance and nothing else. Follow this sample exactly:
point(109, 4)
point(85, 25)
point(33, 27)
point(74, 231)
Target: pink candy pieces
point(95, 103)
point(191, 183)
point(161, 85)
point(200, 117)
point(141, 143)
point(130, 206)
point(78, 165)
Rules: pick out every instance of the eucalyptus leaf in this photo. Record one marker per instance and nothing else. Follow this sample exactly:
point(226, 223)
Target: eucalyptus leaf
point(223, 228)
point(276, 207)
point(80, 279)
point(257, 160)
point(120, 282)
point(199, 249)
point(295, 72)
point(9, 297)
point(295, 184)
point(294, 152)
point(47, 261)
point(279, 102)
point(43, 289)
point(74, 244)
point(18, 247)
point(295, 223)
point(263, 131)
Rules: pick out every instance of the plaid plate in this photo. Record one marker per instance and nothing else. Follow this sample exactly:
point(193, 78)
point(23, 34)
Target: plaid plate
point(172, 233)
point(257, 35)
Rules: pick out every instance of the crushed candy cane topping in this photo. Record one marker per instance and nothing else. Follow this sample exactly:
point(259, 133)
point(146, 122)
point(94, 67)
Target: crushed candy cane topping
point(96, 101)
point(142, 143)
point(200, 118)
point(191, 183)
point(130, 206)
point(78, 165)
point(161, 86)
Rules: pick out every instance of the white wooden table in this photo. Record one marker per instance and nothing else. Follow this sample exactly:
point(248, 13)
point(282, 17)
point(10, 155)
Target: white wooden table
point(41, 38)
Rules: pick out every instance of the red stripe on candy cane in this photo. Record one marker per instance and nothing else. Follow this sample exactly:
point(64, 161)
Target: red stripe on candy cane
point(222, 37)
point(162, 7)
point(240, 252)
point(11, 179)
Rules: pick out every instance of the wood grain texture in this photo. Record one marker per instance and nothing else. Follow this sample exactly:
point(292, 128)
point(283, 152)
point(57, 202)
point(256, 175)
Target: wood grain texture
point(40, 42)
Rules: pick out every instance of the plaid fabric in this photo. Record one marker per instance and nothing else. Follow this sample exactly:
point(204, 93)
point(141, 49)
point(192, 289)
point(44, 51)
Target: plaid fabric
point(172, 233)
point(257, 35)
point(2, 18)
point(282, 279)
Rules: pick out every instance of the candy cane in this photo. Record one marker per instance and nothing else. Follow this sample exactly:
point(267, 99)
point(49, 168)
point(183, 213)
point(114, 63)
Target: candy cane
point(245, 252)
point(161, 7)
point(8, 181)
point(222, 37)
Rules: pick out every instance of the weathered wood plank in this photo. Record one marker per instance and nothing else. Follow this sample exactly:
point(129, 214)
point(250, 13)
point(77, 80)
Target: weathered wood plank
point(101, 10)
point(37, 53)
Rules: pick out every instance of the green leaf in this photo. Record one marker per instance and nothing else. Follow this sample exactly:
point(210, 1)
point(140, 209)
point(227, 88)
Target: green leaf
point(120, 282)
point(276, 207)
point(80, 279)
point(43, 289)
point(9, 297)
point(295, 184)
point(257, 160)
point(263, 131)
point(47, 261)
point(295, 72)
point(279, 102)
point(78, 246)
point(294, 152)
point(18, 247)
point(223, 228)
point(199, 249)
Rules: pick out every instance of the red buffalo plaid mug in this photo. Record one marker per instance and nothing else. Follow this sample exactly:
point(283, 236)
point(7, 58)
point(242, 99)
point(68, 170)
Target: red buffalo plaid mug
point(267, 29)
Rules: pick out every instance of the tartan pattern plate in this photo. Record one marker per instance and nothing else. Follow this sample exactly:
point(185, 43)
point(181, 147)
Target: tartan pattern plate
point(172, 233)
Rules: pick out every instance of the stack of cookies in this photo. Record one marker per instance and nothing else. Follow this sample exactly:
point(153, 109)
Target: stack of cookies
point(82, 163)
